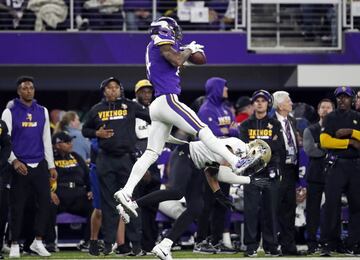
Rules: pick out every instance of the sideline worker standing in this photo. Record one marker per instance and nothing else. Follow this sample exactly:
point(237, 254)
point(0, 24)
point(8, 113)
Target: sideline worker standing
point(260, 204)
point(315, 175)
point(32, 159)
point(112, 121)
point(341, 135)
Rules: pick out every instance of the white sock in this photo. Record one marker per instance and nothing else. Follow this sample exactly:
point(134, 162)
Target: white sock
point(167, 242)
point(138, 171)
point(227, 239)
point(216, 146)
point(226, 175)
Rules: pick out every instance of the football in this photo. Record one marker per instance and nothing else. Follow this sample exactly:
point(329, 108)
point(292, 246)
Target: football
point(198, 58)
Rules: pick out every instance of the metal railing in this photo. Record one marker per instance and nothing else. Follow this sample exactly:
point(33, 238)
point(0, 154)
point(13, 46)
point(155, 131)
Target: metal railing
point(302, 25)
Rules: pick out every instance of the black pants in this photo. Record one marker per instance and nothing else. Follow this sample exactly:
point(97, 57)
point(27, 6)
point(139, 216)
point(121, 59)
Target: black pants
point(313, 206)
point(74, 201)
point(113, 172)
point(4, 210)
point(36, 183)
point(148, 213)
point(343, 177)
point(287, 207)
point(212, 218)
point(260, 211)
point(185, 180)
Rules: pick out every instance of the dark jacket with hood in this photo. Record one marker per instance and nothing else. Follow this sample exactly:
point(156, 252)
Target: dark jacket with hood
point(119, 116)
point(214, 111)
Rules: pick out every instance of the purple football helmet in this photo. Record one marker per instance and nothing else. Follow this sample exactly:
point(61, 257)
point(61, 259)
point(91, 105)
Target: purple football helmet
point(166, 26)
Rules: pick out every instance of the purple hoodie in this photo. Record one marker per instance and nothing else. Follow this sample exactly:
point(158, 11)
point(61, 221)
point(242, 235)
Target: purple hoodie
point(214, 112)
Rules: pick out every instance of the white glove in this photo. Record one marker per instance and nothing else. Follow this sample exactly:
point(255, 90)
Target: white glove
point(194, 47)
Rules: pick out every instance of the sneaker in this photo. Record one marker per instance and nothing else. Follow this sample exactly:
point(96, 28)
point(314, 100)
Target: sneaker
point(123, 250)
point(124, 216)
point(14, 251)
point(129, 205)
point(94, 248)
point(222, 249)
point(162, 250)
point(52, 248)
point(83, 246)
point(38, 247)
point(272, 252)
point(250, 253)
point(137, 252)
point(108, 249)
point(325, 251)
point(204, 247)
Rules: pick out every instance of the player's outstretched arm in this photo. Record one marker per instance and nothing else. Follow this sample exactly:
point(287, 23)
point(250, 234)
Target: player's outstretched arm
point(176, 58)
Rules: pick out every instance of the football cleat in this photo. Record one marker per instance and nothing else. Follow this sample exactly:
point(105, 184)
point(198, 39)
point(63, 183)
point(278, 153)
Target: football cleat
point(128, 205)
point(124, 216)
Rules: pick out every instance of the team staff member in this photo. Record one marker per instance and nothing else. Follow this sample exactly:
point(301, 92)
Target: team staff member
point(112, 121)
point(151, 180)
point(217, 115)
point(32, 159)
point(341, 135)
point(5, 149)
point(315, 175)
point(261, 126)
point(73, 192)
point(289, 171)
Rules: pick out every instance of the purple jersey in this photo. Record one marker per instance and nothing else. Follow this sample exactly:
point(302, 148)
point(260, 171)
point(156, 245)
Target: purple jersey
point(163, 76)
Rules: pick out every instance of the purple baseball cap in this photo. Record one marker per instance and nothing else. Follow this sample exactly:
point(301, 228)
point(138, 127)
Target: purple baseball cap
point(344, 90)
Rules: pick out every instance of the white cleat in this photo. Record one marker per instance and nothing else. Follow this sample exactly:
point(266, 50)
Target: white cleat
point(162, 251)
point(38, 247)
point(124, 216)
point(14, 251)
point(129, 206)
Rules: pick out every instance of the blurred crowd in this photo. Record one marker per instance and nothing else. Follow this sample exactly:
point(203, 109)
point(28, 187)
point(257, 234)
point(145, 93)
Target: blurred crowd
point(53, 163)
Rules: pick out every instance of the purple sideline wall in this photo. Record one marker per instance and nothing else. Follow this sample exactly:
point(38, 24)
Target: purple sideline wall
point(129, 48)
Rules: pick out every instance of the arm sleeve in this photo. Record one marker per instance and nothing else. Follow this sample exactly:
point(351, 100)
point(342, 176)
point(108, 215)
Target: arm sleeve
point(329, 142)
point(49, 155)
point(7, 117)
point(89, 129)
point(210, 120)
point(226, 175)
point(310, 147)
point(5, 144)
point(356, 134)
point(142, 112)
point(244, 132)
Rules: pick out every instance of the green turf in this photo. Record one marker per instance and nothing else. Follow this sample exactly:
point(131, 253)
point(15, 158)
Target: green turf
point(185, 254)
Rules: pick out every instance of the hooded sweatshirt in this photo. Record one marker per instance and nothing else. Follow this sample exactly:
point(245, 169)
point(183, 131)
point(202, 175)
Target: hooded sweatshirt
point(214, 111)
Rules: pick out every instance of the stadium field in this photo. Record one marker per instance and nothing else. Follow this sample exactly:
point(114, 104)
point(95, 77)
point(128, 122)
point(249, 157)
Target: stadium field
point(65, 255)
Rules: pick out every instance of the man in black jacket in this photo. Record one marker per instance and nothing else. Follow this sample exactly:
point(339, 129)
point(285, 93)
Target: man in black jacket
point(260, 204)
point(112, 121)
point(5, 149)
point(289, 171)
point(315, 174)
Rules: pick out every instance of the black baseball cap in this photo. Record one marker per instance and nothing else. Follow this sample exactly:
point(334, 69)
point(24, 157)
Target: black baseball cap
point(106, 82)
point(61, 137)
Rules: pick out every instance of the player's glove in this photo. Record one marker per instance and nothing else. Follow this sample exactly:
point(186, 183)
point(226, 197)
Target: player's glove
point(260, 182)
point(194, 47)
point(223, 200)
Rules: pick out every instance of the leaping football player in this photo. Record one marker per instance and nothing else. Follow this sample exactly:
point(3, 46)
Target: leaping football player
point(164, 56)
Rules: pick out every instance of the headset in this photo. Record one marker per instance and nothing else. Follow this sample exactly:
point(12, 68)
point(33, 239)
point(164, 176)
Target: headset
point(347, 90)
point(105, 82)
point(263, 93)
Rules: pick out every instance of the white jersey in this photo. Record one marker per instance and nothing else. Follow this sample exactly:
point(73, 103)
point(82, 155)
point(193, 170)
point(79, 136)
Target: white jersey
point(201, 155)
